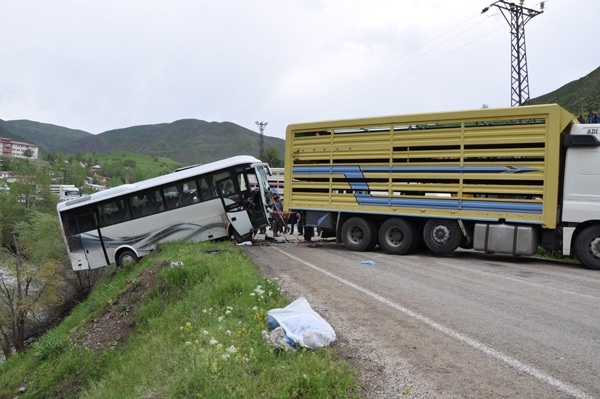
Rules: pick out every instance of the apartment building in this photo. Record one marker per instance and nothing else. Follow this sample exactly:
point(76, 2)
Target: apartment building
point(17, 149)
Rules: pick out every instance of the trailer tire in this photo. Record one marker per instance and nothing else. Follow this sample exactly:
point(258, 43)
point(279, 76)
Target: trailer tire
point(397, 236)
point(125, 257)
point(359, 234)
point(442, 236)
point(587, 247)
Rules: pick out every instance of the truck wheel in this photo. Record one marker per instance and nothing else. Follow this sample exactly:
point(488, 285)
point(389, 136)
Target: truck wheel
point(359, 234)
point(397, 236)
point(587, 247)
point(126, 256)
point(442, 236)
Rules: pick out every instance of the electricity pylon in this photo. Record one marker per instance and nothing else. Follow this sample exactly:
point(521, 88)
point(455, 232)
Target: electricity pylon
point(519, 16)
point(261, 143)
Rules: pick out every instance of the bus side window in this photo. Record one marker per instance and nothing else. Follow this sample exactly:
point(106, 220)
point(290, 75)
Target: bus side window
point(135, 201)
point(207, 189)
point(173, 196)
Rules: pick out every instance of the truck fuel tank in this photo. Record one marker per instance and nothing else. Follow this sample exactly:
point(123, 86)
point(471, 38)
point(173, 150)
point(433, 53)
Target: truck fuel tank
point(506, 239)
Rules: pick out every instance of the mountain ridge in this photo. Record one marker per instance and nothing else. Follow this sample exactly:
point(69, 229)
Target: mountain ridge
point(191, 141)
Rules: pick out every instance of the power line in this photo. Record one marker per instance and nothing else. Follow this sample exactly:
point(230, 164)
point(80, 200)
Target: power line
point(299, 110)
point(407, 74)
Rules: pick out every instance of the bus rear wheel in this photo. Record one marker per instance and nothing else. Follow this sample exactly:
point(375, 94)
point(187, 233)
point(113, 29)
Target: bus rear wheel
point(397, 236)
point(442, 236)
point(359, 234)
point(587, 247)
point(125, 257)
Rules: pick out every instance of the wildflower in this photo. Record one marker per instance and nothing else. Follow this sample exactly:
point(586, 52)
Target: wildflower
point(231, 349)
point(255, 308)
point(204, 311)
point(221, 318)
point(205, 332)
point(219, 347)
point(225, 356)
point(188, 324)
point(228, 311)
point(188, 343)
point(229, 308)
point(213, 341)
point(252, 294)
point(228, 332)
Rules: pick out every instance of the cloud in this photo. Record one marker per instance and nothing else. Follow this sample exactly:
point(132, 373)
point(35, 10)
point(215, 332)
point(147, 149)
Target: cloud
point(102, 65)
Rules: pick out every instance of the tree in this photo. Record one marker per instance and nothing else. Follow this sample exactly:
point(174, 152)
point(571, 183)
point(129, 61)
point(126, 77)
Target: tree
point(272, 158)
point(129, 163)
point(30, 282)
point(28, 153)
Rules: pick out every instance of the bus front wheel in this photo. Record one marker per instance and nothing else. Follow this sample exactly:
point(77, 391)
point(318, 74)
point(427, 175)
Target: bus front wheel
point(125, 257)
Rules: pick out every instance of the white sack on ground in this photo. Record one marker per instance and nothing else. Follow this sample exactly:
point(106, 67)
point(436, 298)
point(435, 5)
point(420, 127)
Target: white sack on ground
point(302, 324)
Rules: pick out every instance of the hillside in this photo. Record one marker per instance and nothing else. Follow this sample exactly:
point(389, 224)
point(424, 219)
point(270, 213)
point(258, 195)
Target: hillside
point(45, 135)
point(7, 132)
point(581, 95)
point(188, 141)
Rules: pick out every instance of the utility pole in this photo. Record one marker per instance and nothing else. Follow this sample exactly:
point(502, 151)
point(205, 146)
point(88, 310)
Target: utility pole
point(261, 143)
point(519, 16)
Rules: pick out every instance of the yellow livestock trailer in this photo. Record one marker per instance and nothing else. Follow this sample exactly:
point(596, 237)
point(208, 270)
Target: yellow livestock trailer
point(492, 179)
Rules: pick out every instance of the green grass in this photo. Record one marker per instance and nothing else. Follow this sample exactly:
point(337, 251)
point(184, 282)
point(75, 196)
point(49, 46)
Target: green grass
point(198, 334)
point(154, 165)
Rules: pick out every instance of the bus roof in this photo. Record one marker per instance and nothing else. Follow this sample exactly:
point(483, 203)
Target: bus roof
point(157, 181)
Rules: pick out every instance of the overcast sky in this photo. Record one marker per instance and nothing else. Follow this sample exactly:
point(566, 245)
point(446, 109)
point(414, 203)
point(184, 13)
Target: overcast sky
point(98, 65)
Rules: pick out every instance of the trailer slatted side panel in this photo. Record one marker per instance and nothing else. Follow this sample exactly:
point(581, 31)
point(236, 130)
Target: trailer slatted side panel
point(481, 165)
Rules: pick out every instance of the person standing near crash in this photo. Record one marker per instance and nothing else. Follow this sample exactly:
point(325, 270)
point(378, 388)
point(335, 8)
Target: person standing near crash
point(278, 224)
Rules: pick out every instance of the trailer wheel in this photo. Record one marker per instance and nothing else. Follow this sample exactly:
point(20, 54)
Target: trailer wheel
point(125, 257)
point(359, 234)
point(587, 247)
point(442, 236)
point(397, 236)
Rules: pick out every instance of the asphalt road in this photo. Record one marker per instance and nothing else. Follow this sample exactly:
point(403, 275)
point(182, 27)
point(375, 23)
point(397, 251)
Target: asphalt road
point(466, 325)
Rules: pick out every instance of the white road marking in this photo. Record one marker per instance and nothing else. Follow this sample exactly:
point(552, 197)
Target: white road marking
point(539, 375)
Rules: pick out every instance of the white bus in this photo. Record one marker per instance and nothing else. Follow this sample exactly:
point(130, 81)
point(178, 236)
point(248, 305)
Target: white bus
point(199, 203)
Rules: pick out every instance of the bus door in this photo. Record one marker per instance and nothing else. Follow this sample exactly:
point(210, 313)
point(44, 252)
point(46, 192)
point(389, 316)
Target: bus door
point(91, 240)
point(233, 203)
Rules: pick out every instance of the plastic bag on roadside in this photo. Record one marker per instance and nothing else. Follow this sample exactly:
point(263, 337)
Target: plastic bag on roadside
point(302, 324)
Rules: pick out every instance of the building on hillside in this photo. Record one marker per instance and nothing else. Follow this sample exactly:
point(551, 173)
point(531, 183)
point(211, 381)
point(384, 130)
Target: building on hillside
point(5, 174)
point(17, 149)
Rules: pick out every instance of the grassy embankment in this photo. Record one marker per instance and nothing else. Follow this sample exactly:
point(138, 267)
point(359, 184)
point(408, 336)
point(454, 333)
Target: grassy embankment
point(196, 333)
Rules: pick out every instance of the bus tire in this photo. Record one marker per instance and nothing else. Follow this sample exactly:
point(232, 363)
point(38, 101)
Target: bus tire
point(126, 256)
point(442, 236)
point(236, 236)
point(397, 236)
point(359, 234)
point(587, 247)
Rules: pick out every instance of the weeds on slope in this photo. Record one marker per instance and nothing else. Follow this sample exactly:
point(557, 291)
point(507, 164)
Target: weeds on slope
point(195, 332)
